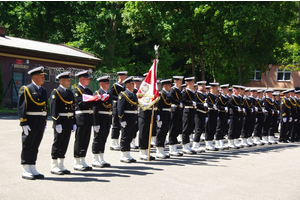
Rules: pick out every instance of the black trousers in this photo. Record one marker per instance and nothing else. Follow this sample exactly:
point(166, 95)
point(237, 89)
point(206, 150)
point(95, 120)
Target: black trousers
point(188, 120)
point(82, 138)
point(221, 126)
point(163, 130)
point(60, 143)
point(100, 137)
point(30, 146)
point(267, 124)
point(127, 132)
point(199, 125)
point(211, 124)
point(233, 126)
point(251, 124)
point(258, 125)
point(175, 125)
point(240, 125)
point(144, 119)
point(273, 126)
point(246, 125)
point(284, 130)
point(291, 130)
point(115, 131)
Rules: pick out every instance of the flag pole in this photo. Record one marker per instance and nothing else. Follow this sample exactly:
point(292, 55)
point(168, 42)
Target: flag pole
point(150, 132)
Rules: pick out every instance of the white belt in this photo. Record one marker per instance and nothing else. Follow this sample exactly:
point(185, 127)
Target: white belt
point(66, 114)
point(151, 108)
point(84, 112)
point(43, 113)
point(202, 111)
point(192, 107)
point(131, 111)
point(166, 109)
point(174, 105)
point(114, 101)
point(105, 112)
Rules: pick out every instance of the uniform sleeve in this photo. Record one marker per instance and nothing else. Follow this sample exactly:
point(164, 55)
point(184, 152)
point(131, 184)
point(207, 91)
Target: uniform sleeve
point(54, 108)
point(22, 107)
point(186, 98)
point(120, 108)
point(173, 97)
point(96, 110)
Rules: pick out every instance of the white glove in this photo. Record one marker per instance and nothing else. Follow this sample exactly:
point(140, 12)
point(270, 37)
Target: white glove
point(194, 104)
point(291, 119)
point(97, 128)
point(158, 118)
point(284, 119)
point(218, 118)
point(256, 120)
point(26, 129)
point(252, 110)
point(123, 124)
point(256, 109)
point(278, 111)
point(205, 105)
point(215, 107)
point(244, 111)
point(180, 105)
point(226, 109)
point(228, 121)
point(263, 110)
point(272, 112)
point(58, 128)
point(239, 109)
point(296, 120)
point(206, 119)
point(74, 127)
point(159, 123)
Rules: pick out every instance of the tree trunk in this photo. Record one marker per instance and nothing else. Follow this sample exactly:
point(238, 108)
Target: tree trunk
point(193, 61)
point(113, 28)
point(202, 65)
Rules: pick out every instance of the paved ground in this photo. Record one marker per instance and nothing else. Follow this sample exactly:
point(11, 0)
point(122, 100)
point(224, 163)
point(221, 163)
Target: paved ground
point(268, 172)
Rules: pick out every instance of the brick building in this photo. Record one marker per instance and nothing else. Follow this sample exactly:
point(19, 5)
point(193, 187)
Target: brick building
point(18, 55)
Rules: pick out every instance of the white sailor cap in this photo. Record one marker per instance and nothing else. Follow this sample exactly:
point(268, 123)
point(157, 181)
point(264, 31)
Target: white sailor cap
point(103, 79)
point(84, 73)
point(213, 84)
point(166, 81)
point(190, 78)
point(37, 70)
point(137, 79)
point(158, 81)
point(277, 93)
point(291, 90)
point(243, 87)
point(183, 85)
point(269, 90)
point(201, 83)
point(145, 74)
point(178, 77)
point(297, 91)
point(128, 80)
point(236, 86)
point(64, 75)
point(247, 89)
point(259, 91)
point(122, 73)
point(253, 89)
point(207, 87)
point(224, 86)
point(285, 92)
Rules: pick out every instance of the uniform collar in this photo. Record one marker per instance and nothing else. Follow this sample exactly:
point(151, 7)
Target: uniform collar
point(65, 89)
point(81, 85)
point(38, 87)
point(190, 90)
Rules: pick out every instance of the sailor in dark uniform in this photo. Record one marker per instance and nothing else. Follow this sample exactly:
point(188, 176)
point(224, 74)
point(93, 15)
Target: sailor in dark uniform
point(32, 110)
point(247, 119)
point(297, 124)
point(137, 83)
point(200, 116)
point(212, 115)
point(127, 113)
point(259, 120)
point(277, 101)
point(285, 117)
point(102, 122)
point(234, 113)
point(294, 119)
point(252, 120)
point(268, 105)
point(222, 104)
point(164, 111)
point(190, 106)
point(62, 110)
point(114, 92)
point(84, 120)
point(175, 96)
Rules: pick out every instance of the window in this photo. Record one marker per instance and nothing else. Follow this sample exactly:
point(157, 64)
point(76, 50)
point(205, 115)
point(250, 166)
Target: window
point(283, 75)
point(257, 75)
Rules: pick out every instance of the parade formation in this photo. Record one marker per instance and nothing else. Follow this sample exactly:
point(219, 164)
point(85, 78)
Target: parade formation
point(177, 114)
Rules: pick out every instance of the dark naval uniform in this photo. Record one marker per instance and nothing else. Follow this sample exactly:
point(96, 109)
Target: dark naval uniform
point(259, 118)
point(114, 92)
point(32, 109)
point(212, 114)
point(200, 115)
point(222, 104)
point(294, 119)
point(248, 118)
point(285, 114)
point(175, 96)
point(188, 118)
point(234, 115)
point(268, 104)
point(62, 109)
point(84, 119)
point(163, 109)
point(102, 117)
point(127, 111)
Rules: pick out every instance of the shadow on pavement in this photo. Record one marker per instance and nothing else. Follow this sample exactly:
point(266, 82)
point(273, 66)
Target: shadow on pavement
point(74, 179)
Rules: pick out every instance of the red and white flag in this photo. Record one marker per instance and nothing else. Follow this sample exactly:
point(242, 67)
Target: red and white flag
point(148, 92)
point(89, 98)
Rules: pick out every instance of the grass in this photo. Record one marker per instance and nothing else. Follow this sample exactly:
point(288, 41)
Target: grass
point(8, 110)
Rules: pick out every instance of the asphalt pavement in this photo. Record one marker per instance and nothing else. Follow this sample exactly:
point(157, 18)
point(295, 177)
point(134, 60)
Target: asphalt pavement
point(265, 172)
